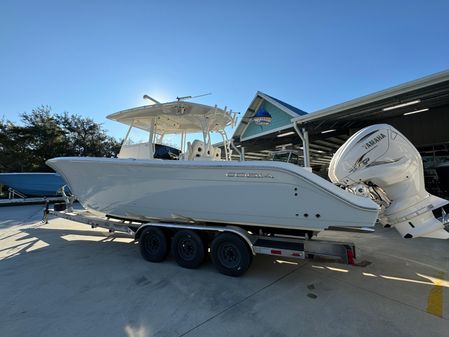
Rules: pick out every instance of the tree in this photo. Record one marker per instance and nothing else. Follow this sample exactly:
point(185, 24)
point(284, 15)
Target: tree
point(87, 138)
point(45, 138)
point(43, 135)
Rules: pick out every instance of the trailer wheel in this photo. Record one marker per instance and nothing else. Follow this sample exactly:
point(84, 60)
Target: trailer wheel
point(153, 244)
point(188, 249)
point(230, 254)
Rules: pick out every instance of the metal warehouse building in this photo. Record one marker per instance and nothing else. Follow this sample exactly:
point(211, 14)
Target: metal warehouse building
point(419, 109)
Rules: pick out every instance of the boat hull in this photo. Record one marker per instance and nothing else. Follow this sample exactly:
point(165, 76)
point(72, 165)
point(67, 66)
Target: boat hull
point(269, 194)
point(34, 184)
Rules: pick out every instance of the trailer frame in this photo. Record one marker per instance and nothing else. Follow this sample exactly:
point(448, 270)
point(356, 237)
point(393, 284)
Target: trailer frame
point(294, 247)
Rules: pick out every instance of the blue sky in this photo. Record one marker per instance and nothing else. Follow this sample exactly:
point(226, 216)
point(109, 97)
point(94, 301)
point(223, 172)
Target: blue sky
point(97, 57)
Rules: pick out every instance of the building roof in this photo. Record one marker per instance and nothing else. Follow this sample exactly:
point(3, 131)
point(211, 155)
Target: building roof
point(288, 106)
point(257, 101)
point(428, 90)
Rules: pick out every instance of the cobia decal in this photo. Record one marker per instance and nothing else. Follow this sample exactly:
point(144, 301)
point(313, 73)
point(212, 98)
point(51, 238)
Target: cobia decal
point(248, 175)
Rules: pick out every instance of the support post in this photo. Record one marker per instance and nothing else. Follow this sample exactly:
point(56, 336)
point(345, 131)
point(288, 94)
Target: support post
point(241, 152)
point(304, 135)
point(306, 148)
point(127, 133)
point(151, 140)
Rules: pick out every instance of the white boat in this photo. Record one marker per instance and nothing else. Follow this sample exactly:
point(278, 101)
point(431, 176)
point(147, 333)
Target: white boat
point(262, 193)
point(204, 185)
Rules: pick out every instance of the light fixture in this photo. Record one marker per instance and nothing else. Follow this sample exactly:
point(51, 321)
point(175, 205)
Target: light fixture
point(415, 112)
point(284, 145)
point(316, 151)
point(255, 154)
point(401, 105)
point(327, 131)
point(285, 134)
point(151, 99)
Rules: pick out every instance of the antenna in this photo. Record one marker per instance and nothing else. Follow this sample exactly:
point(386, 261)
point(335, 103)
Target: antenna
point(151, 99)
point(183, 98)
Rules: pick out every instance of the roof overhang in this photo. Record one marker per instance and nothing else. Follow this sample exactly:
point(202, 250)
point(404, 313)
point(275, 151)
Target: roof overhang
point(427, 92)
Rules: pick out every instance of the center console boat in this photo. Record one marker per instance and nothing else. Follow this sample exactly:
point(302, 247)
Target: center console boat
point(204, 185)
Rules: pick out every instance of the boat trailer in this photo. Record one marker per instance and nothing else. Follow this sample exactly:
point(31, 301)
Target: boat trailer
point(231, 247)
point(16, 198)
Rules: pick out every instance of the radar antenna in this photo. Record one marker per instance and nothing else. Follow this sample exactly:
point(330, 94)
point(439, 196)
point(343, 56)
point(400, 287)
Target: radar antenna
point(183, 98)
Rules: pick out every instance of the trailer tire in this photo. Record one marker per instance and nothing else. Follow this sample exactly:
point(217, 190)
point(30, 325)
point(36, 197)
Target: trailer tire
point(153, 244)
point(188, 249)
point(230, 254)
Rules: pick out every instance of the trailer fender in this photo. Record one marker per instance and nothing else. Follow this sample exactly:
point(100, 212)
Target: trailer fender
point(219, 229)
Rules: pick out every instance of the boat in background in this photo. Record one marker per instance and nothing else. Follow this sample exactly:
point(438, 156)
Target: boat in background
point(34, 184)
point(443, 176)
point(287, 156)
point(48, 184)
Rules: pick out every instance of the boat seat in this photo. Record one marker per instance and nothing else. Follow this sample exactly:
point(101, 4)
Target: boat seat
point(217, 154)
point(209, 151)
point(186, 155)
point(199, 151)
point(196, 150)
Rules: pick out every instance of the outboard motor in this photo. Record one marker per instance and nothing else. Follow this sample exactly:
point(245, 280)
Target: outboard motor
point(379, 162)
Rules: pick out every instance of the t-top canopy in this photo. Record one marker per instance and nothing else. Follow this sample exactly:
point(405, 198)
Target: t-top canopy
point(175, 117)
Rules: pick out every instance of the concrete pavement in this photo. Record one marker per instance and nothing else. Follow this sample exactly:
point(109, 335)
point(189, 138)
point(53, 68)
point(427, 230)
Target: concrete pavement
point(65, 279)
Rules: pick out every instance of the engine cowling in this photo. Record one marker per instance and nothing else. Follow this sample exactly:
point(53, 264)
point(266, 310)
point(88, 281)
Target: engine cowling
point(380, 157)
